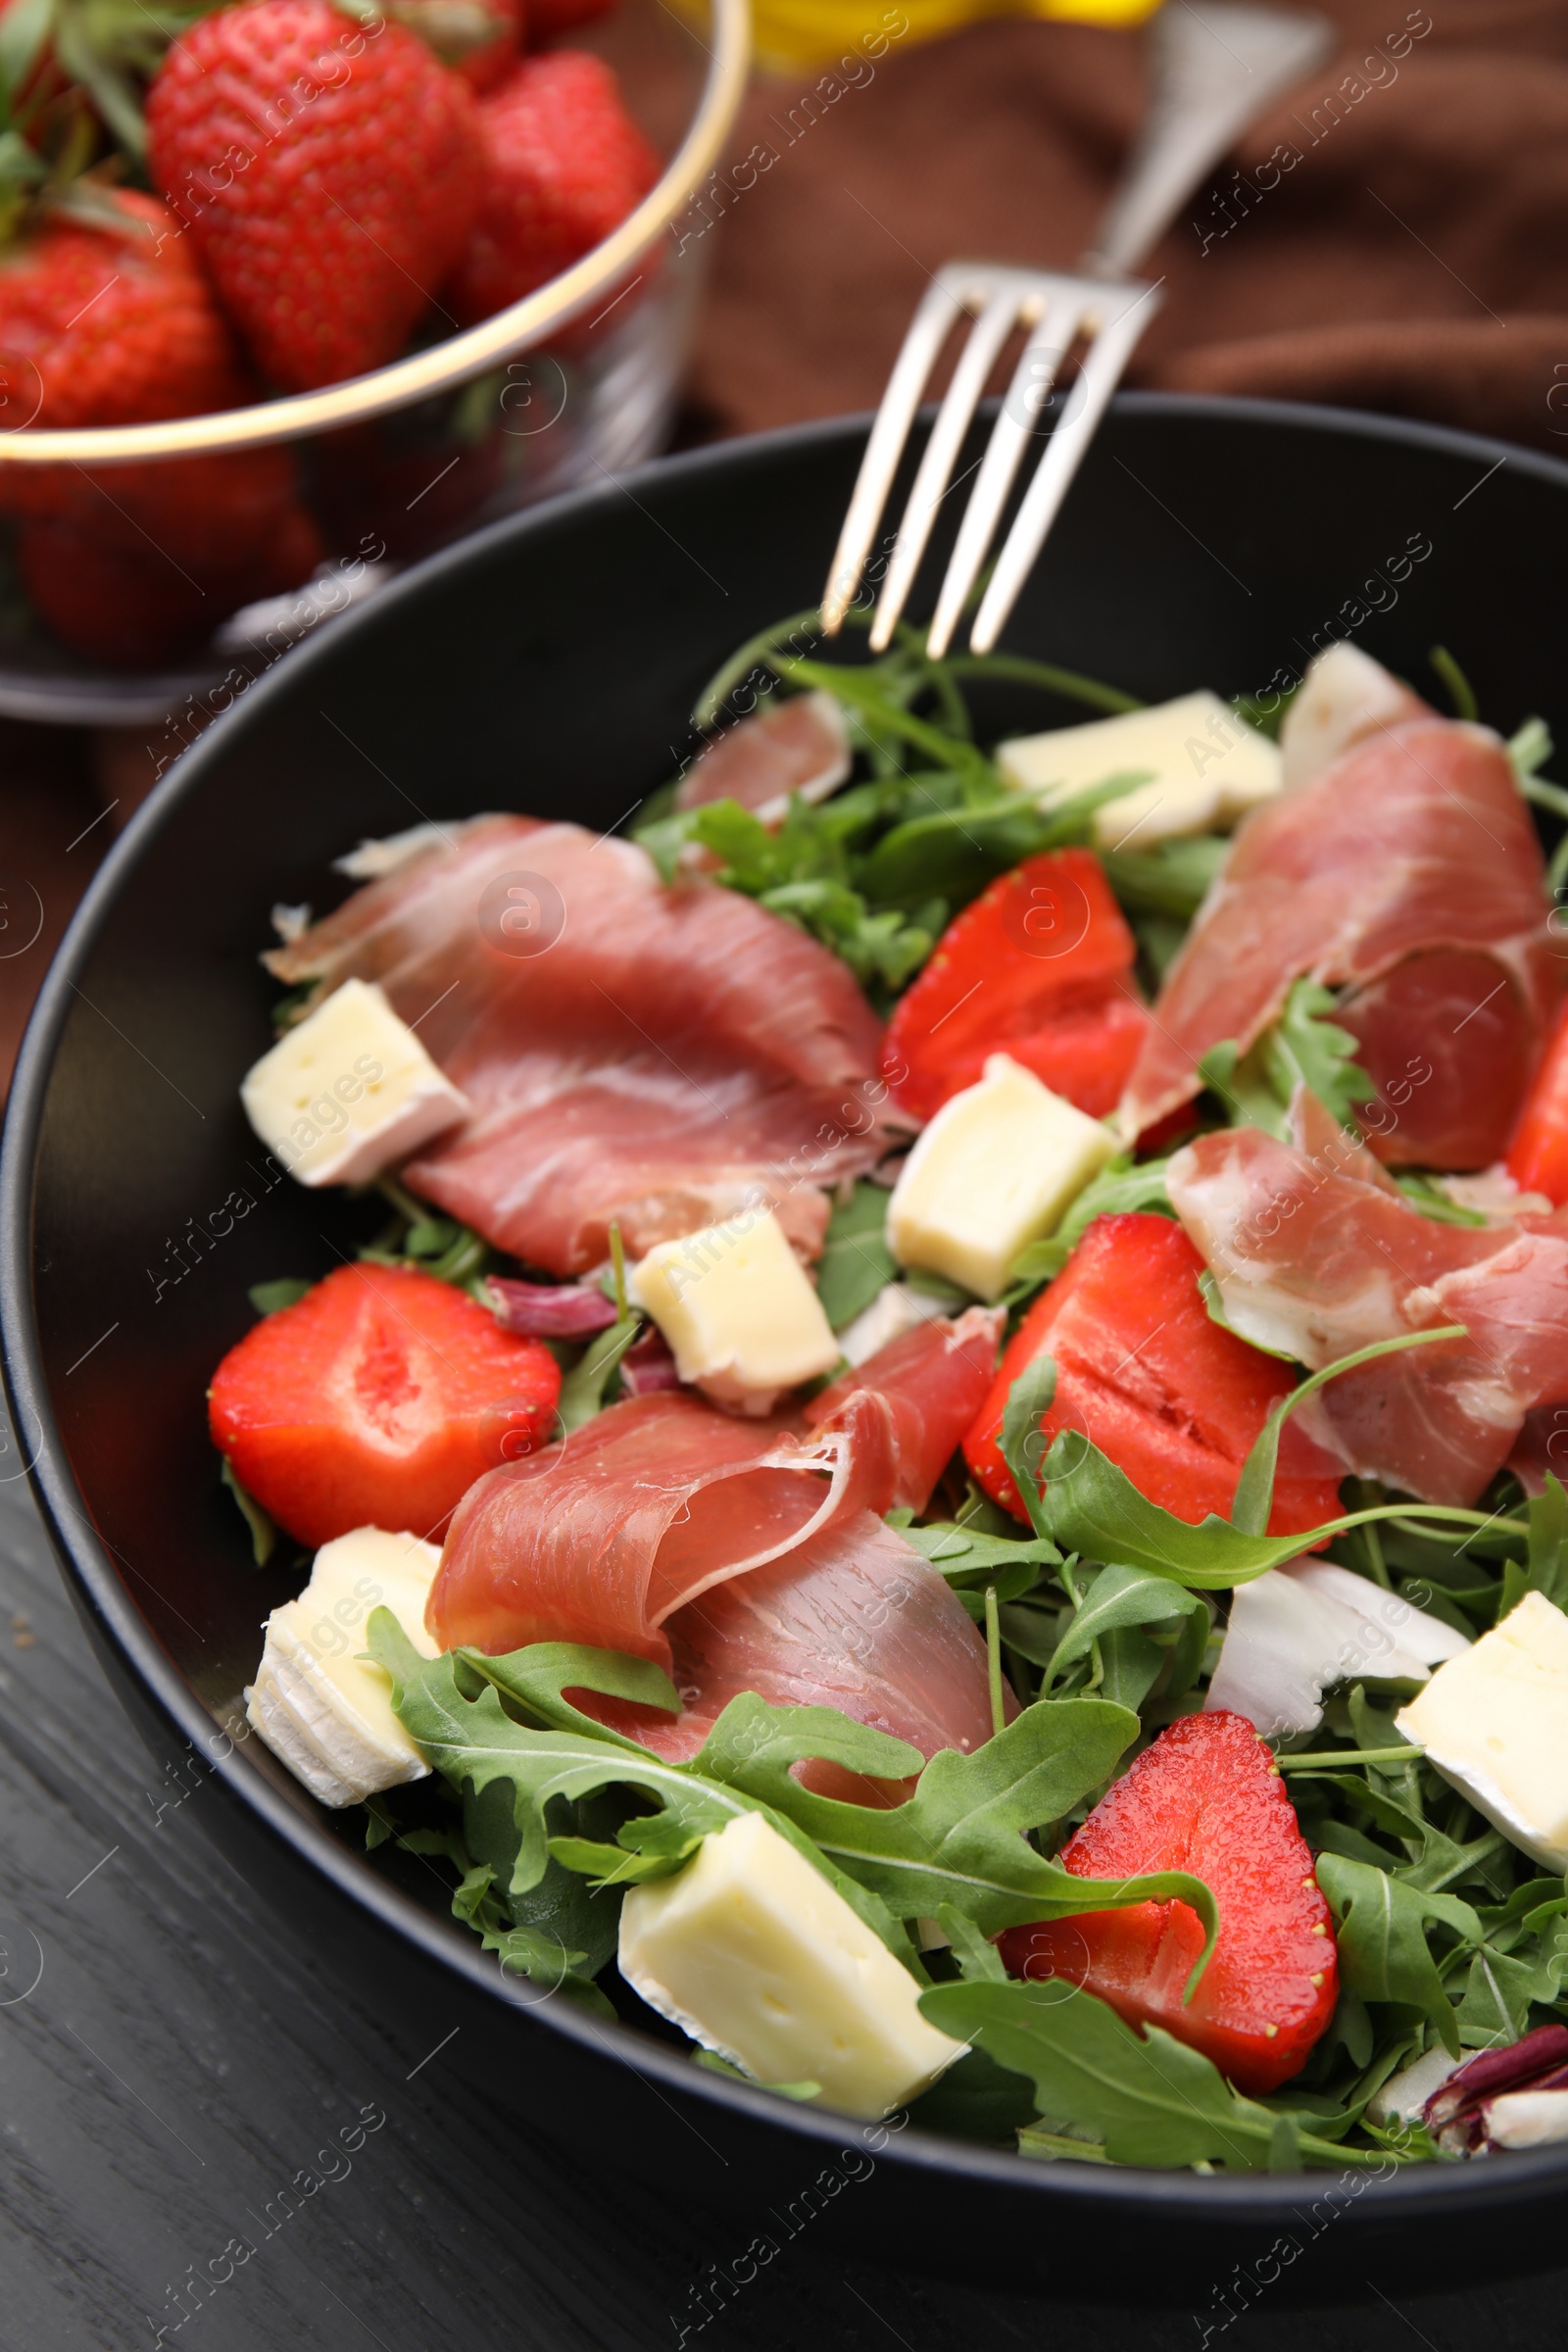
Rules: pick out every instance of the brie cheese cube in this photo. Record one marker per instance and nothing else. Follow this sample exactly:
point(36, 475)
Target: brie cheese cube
point(997, 1167)
point(738, 1310)
point(1495, 1722)
point(754, 1954)
point(1207, 767)
point(348, 1091)
point(318, 1703)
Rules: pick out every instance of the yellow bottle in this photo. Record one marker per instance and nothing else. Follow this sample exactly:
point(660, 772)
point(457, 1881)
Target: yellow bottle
point(792, 36)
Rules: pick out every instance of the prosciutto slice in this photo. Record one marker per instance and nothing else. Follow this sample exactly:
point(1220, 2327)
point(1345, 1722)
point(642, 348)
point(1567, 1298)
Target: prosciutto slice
point(799, 744)
point(601, 1537)
point(1316, 1256)
point(742, 1555)
point(932, 1382)
point(661, 1056)
point(1407, 872)
point(854, 1619)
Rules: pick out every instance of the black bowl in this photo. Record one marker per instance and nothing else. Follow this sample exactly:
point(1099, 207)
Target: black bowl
point(550, 664)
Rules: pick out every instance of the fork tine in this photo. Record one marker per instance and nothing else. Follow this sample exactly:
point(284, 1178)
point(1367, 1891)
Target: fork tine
point(1032, 380)
point(1106, 356)
point(989, 333)
point(941, 305)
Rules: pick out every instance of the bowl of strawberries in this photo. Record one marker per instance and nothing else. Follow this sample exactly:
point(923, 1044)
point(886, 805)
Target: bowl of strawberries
point(295, 291)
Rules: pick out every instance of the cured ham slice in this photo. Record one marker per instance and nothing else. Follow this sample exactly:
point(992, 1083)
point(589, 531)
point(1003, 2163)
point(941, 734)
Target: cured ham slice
point(741, 1556)
point(601, 1537)
point(1316, 1259)
point(932, 1381)
point(1408, 873)
point(659, 1055)
point(798, 744)
point(854, 1619)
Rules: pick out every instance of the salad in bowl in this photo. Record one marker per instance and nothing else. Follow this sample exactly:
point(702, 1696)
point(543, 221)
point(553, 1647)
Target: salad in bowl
point(939, 1467)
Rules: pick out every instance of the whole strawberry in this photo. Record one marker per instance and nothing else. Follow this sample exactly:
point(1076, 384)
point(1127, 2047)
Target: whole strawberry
point(107, 318)
point(330, 173)
point(564, 164)
point(124, 600)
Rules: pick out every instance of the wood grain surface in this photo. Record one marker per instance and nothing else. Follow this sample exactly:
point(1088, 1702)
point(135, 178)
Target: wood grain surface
point(176, 2068)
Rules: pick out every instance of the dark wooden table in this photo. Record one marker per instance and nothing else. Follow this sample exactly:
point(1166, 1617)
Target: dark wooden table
point(171, 2055)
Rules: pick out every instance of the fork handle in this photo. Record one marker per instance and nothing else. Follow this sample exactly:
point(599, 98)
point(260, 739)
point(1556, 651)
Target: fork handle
point(1215, 68)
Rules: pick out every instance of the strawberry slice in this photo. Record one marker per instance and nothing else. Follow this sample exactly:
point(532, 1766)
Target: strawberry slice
point(376, 1401)
point(1171, 1397)
point(1039, 967)
point(1206, 1797)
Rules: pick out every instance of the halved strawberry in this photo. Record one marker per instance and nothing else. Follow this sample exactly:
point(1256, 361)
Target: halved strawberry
point(376, 1401)
point(1039, 967)
point(1206, 1797)
point(1171, 1397)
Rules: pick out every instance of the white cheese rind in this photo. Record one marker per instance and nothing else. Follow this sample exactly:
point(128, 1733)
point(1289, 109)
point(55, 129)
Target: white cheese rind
point(753, 1953)
point(738, 1310)
point(1205, 768)
point(321, 1707)
point(1297, 1628)
point(348, 1091)
point(997, 1167)
point(897, 1308)
point(1344, 697)
point(1495, 1722)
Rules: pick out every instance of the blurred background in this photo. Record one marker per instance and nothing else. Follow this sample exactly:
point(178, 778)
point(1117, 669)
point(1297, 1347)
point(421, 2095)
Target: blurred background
point(1388, 235)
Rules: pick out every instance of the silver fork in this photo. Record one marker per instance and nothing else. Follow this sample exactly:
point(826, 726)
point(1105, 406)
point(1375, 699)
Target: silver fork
point(1214, 68)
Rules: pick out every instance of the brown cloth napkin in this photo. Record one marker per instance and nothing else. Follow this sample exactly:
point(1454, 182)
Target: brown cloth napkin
point(1394, 235)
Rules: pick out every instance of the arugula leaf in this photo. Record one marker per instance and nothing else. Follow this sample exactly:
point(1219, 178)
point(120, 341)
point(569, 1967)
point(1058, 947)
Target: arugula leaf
point(1308, 1045)
point(979, 1961)
point(431, 1245)
point(264, 1534)
point(958, 1838)
point(1423, 1194)
point(1547, 1570)
point(1254, 1489)
point(1023, 1438)
point(1118, 1188)
point(1242, 1084)
point(970, 1558)
point(555, 1934)
point(1530, 749)
point(1122, 1599)
point(1498, 1994)
point(801, 870)
point(716, 2065)
point(1383, 1951)
point(1460, 691)
point(855, 1263)
point(1171, 880)
point(475, 1743)
point(1154, 2101)
point(268, 1298)
point(582, 1392)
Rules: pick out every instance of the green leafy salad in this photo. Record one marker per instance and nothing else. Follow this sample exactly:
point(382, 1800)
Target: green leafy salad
point(1054, 1620)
